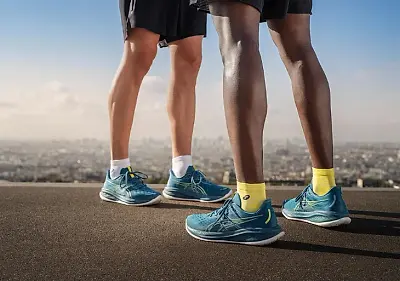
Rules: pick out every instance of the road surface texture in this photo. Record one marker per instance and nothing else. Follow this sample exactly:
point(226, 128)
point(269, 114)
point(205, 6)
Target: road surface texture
point(65, 232)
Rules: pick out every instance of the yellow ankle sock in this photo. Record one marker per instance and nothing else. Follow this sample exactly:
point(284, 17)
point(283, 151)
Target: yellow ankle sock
point(252, 195)
point(323, 180)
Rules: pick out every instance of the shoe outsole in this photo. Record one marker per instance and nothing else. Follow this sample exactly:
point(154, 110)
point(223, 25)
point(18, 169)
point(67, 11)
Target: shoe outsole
point(152, 202)
point(226, 196)
point(252, 243)
point(334, 223)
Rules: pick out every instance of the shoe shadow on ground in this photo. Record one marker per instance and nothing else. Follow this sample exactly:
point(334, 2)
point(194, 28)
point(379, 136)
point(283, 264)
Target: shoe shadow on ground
point(376, 214)
point(300, 246)
point(371, 226)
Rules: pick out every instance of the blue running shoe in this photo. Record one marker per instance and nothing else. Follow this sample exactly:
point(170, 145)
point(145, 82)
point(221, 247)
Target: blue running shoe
point(230, 224)
point(129, 189)
point(326, 211)
point(194, 186)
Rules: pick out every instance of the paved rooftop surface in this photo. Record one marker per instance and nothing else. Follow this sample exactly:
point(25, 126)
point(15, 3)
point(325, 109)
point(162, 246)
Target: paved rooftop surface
point(48, 232)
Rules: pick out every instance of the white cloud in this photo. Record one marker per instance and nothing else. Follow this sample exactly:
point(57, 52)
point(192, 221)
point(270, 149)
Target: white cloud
point(56, 87)
point(364, 108)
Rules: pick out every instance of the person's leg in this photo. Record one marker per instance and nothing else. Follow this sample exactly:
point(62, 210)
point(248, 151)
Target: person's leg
point(245, 100)
point(186, 57)
point(320, 203)
point(311, 93)
point(140, 49)
point(185, 64)
point(122, 185)
point(248, 218)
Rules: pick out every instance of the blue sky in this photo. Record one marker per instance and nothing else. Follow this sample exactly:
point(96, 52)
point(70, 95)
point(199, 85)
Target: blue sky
point(58, 59)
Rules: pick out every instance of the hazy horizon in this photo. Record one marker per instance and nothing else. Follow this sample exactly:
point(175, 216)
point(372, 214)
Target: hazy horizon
point(56, 75)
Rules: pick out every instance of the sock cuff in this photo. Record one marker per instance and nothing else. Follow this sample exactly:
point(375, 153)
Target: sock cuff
point(187, 158)
point(121, 162)
point(243, 185)
point(323, 172)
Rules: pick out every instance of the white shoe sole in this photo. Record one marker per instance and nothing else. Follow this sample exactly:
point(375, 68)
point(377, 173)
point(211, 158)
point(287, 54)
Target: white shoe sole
point(342, 221)
point(253, 243)
point(197, 200)
point(152, 202)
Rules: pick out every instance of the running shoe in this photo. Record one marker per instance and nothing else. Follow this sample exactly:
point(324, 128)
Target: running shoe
point(328, 210)
point(194, 186)
point(231, 224)
point(129, 189)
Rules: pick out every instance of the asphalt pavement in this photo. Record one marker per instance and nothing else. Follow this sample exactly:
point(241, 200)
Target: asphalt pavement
point(65, 232)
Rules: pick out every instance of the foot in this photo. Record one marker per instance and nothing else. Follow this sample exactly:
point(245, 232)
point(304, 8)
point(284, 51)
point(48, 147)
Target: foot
point(194, 186)
point(327, 211)
point(230, 224)
point(129, 189)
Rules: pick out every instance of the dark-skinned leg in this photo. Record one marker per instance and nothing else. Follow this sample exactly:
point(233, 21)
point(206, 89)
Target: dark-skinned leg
point(244, 95)
point(311, 93)
point(323, 205)
point(248, 218)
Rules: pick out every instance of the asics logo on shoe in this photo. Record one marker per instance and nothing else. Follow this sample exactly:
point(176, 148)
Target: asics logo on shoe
point(244, 220)
point(193, 186)
point(311, 203)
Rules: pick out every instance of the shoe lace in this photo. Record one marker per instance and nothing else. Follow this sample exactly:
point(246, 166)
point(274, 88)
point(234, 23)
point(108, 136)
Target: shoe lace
point(223, 211)
point(132, 180)
point(301, 196)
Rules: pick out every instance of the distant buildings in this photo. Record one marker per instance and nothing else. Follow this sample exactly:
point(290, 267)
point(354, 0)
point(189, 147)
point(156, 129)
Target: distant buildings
point(285, 162)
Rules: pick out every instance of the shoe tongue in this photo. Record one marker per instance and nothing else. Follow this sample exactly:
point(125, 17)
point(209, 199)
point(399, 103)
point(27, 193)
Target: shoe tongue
point(127, 170)
point(236, 199)
point(190, 170)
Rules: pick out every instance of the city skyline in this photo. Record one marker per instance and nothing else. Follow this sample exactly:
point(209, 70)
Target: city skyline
point(285, 162)
point(56, 77)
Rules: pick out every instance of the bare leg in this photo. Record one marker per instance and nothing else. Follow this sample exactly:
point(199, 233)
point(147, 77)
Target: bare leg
point(139, 51)
point(312, 97)
point(310, 85)
point(245, 103)
point(186, 57)
point(245, 100)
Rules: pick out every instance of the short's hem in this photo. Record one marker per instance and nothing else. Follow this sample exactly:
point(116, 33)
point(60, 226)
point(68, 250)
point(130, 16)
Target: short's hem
point(164, 40)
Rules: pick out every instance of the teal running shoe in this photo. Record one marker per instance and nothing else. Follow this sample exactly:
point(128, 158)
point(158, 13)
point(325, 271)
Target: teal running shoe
point(129, 189)
point(194, 186)
point(328, 210)
point(230, 224)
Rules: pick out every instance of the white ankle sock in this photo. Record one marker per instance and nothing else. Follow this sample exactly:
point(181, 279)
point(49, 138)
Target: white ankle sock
point(180, 165)
point(117, 166)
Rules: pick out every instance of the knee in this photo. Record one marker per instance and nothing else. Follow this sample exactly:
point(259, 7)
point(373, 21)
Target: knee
point(139, 56)
point(238, 51)
point(296, 54)
point(190, 62)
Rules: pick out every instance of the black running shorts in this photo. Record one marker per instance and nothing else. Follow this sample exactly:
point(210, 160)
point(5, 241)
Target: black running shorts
point(269, 9)
point(172, 19)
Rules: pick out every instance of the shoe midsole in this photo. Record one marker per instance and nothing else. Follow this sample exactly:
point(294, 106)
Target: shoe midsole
point(309, 215)
point(179, 194)
point(255, 233)
point(116, 197)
